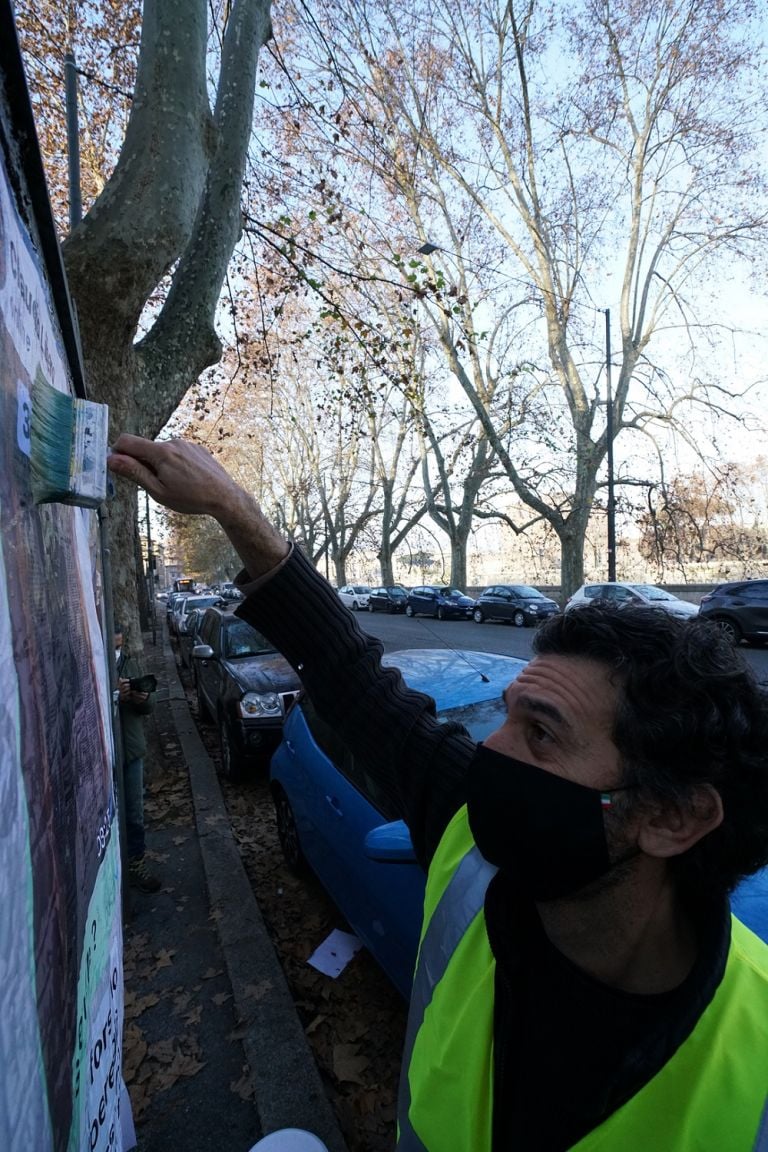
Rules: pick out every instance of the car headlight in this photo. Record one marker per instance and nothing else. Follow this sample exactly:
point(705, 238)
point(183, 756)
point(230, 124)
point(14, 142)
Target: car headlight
point(255, 704)
point(532, 607)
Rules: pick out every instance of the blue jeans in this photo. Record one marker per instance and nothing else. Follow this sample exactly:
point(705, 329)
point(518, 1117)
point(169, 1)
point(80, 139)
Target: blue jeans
point(133, 782)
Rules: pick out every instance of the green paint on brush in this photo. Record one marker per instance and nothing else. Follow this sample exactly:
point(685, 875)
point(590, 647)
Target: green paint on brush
point(68, 447)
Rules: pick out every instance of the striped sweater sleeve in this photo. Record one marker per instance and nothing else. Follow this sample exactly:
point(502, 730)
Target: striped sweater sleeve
point(419, 763)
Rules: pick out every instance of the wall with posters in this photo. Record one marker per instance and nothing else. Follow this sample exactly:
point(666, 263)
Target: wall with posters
point(61, 993)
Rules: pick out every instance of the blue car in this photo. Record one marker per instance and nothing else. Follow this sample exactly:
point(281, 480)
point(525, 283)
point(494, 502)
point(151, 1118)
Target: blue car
point(331, 814)
point(750, 903)
point(443, 603)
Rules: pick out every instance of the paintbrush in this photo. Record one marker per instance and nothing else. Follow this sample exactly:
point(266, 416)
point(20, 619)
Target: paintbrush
point(68, 447)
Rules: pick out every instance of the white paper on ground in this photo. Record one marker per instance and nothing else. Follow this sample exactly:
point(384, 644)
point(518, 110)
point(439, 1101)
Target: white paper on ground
point(335, 952)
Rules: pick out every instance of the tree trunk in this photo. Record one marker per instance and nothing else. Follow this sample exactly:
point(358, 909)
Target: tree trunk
point(173, 198)
point(459, 562)
point(386, 561)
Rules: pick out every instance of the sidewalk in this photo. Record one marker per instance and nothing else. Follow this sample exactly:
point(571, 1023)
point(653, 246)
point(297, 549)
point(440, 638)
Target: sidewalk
point(214, 1053)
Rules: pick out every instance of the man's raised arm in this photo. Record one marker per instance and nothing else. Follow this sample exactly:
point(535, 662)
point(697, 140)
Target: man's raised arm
point(186, 478)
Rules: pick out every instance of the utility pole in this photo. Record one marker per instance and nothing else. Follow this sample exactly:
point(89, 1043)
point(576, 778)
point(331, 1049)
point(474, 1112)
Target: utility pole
point(151, 576)
point(609, 439)
point(73, 145)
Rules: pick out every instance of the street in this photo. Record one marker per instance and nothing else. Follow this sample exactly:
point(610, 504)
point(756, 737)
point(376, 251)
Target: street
point(397, 632)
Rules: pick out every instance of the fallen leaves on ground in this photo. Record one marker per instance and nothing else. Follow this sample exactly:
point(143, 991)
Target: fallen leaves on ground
point(355, 1024)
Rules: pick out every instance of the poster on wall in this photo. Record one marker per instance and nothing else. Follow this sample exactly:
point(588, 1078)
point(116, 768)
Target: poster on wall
point(61, 984)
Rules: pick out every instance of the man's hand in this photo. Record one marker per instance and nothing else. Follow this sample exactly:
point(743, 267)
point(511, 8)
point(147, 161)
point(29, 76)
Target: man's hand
point(186, 478)
point(180, 475)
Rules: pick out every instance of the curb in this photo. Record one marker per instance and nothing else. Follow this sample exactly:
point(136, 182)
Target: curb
point(288, 1090)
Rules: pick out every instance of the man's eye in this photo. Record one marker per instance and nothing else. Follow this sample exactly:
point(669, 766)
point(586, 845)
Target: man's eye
point(539, 734)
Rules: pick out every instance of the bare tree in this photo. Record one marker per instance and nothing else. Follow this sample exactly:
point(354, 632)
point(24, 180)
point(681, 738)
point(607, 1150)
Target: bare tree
point(538, 151)
point(170, 208)
point(712, 519)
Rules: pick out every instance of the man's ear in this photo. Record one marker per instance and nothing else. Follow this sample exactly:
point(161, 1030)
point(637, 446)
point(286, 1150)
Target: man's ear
point(673, 829)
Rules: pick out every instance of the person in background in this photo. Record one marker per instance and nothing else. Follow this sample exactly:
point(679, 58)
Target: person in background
point(134, 709)
point(581, 983)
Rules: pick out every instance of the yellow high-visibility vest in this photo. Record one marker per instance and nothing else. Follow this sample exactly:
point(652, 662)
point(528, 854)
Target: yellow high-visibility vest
point(710, 1096)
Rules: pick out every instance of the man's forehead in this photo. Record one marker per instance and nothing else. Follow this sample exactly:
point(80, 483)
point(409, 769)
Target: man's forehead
point(571, 689)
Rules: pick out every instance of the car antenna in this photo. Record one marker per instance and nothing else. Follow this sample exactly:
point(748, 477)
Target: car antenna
point(456, 651)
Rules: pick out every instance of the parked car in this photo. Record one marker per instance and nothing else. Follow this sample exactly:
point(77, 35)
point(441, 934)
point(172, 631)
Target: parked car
point(436, 600)
point(174, 599)
point(188, 604)
point(228, 591)
point(625, 593)
point(355, 596)
point(523, 605)
point(245, 686)
point(190, 636)
point(390, 599)
point(750, 903)
point(740, 608)
point(332, 815)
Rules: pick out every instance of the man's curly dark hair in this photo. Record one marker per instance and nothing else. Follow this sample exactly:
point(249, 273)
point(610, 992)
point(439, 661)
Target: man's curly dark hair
point(690, 712)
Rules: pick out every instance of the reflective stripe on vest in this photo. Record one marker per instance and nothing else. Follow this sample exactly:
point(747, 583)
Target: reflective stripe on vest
point(459, 904)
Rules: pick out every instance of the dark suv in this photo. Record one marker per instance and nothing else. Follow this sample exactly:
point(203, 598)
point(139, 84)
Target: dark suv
point(519, 603)
point(444, 603)
point(245, 685)
point(740, 608)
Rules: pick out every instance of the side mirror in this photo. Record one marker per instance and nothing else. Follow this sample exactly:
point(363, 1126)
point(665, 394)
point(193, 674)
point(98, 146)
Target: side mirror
point(202, 652)
point(390, 843)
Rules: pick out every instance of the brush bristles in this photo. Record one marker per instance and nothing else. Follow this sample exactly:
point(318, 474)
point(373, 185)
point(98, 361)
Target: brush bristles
point(68, 447)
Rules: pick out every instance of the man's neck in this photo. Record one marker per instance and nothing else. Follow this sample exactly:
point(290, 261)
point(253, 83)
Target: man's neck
point(633, 935)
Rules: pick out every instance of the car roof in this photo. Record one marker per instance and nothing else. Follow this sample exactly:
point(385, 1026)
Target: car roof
point(454, 678)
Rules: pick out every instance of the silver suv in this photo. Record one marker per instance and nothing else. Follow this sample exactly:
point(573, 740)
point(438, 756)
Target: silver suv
point(623, 593)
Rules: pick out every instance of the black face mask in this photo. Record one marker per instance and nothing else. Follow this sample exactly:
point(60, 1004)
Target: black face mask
point(546, 831)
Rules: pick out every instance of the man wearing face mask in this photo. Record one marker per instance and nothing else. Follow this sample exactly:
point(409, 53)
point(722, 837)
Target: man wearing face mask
point(581, 983)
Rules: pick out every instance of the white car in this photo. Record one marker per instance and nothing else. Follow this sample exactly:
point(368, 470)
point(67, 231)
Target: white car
point(355, 596)
point(188, 604)
point(624, 593)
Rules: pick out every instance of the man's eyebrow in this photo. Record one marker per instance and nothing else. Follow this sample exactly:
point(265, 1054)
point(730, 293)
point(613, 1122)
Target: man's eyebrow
point(542, 708)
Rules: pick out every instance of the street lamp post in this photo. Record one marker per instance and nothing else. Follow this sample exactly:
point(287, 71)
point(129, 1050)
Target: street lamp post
point(609, 439)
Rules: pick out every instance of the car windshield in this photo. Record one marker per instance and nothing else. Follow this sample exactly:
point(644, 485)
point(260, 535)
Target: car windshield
point(396, 591)
point(359, 588)
point(479, 719)
point(452, 593)
point(528, 592)
point(652, 592)
point(242, 640)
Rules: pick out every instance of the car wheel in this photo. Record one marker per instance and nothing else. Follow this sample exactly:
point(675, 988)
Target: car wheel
point(370, 607)
point(441, 613)
point(409, 610)
point(518, 619)
point(232, 764)
point(478, 616)
point(287, 831)
point(355, 605)
point(729, 629)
